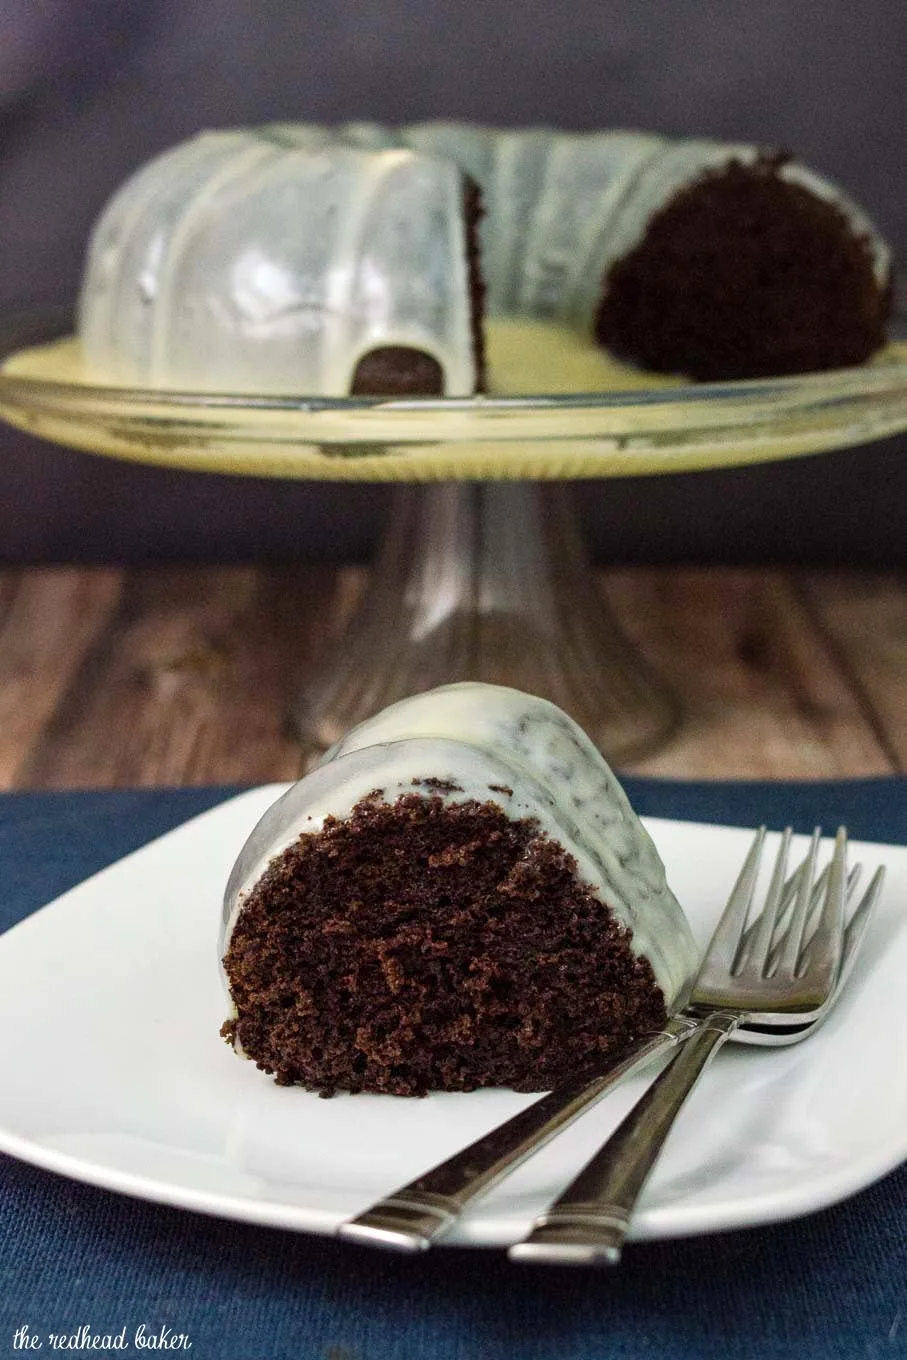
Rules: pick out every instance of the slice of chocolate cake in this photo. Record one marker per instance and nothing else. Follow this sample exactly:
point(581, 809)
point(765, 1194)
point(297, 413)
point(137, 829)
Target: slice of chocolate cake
point(460, 896)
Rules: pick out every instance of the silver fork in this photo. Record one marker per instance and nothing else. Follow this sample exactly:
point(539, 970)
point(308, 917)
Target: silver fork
point(744, 974)
point(418, 1213)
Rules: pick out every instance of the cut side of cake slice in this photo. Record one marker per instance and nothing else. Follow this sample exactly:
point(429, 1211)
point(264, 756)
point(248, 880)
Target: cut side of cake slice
point(460, 896)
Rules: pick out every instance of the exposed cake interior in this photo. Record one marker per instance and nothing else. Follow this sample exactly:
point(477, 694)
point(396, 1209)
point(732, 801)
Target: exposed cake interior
point(746, 273)
point(430, 944)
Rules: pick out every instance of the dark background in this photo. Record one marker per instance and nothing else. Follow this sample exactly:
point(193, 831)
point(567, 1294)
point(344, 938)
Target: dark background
point(90, 88)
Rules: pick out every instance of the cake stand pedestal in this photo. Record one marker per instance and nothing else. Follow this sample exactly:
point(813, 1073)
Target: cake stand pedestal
point(482, 574)
point(488, 581)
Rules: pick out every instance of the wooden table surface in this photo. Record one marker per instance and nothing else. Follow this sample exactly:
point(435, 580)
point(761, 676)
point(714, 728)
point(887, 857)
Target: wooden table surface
point(185, 676)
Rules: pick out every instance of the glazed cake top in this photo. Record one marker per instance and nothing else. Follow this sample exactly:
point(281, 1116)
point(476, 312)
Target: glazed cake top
point(490, 743)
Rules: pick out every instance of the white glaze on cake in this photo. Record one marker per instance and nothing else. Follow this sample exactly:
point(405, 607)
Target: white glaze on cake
point(486, 739)
point(271, 260)
point(240, 262)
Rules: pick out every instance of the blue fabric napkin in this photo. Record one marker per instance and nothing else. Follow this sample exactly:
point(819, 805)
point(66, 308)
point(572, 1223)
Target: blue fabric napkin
point(81, 1263)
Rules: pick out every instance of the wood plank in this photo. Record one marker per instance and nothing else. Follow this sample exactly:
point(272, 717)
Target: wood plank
point(50, 617)
point(864, 619)
point(187, 675)
point(192, 682)
point(761, 689)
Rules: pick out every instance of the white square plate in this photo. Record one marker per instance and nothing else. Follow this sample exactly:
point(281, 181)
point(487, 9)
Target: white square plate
point(113, 1071)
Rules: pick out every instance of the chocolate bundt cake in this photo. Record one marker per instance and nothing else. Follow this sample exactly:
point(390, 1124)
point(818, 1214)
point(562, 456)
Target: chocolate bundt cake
point(459, 896)
point(300, 259)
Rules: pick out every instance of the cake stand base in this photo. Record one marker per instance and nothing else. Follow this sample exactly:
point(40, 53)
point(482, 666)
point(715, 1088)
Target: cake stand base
point(488, 581)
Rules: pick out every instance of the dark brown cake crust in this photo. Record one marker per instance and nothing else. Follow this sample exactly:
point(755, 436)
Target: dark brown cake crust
point(422, 946)
point(745, 275)
point(402, 371)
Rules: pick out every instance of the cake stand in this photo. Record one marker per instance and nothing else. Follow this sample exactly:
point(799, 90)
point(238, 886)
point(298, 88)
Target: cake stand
point(482, 573)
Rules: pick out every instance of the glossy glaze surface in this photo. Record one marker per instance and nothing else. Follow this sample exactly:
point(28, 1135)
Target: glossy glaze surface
point(238, 262)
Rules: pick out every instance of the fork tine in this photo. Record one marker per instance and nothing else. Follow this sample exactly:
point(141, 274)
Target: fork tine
point(760, 939)
point(818, 894)
point(859, 920)
point(729, 932)
point(827, 938)
point(792, 943)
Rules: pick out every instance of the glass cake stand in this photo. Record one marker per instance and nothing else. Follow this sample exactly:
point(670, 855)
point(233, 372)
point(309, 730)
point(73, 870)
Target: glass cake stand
point(482, 573)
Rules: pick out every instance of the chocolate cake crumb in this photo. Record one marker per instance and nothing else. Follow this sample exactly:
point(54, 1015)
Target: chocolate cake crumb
point(438, 785)
point(421, 946)
point(745, 274)
point(501, 788)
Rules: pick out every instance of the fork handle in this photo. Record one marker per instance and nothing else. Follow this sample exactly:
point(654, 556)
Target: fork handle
point(588, 1223)
point(412, 1217)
